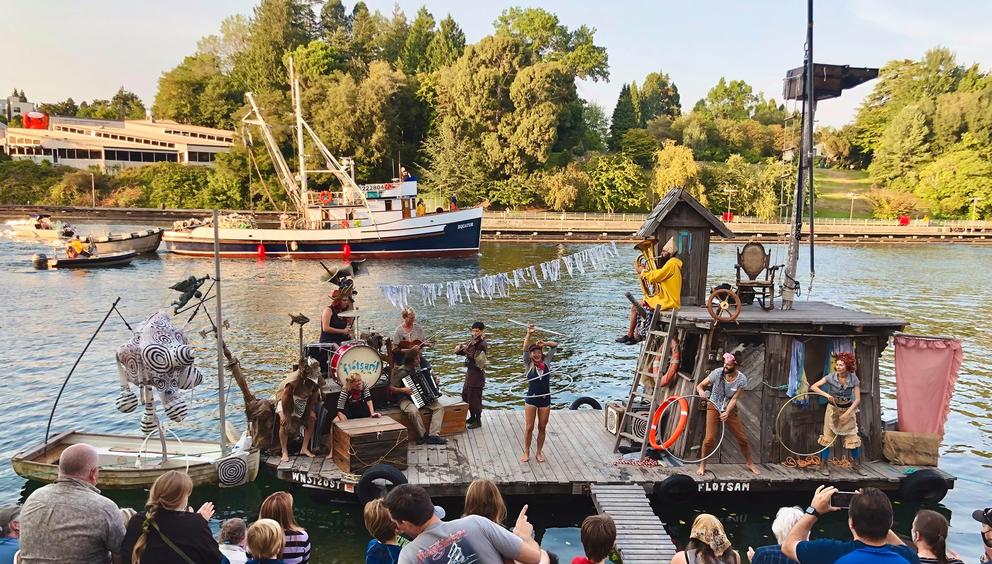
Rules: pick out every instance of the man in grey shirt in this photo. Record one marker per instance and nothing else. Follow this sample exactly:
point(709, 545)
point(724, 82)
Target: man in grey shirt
point(727, 382)
point(469, 539)
point(68, 520)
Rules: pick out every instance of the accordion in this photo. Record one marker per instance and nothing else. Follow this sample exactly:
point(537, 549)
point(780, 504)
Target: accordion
point(424, 389)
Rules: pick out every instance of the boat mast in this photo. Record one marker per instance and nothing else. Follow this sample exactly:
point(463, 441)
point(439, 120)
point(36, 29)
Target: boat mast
point(286, 177)
point(295, 89)
point(805, 173)
point(219, 333)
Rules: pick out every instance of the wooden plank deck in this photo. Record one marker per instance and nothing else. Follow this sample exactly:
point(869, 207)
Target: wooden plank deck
point(579, 454)
point(641, 536)
point(802, 313)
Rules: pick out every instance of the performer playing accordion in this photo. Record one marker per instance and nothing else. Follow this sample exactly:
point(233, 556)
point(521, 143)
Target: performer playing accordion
point(410, 371)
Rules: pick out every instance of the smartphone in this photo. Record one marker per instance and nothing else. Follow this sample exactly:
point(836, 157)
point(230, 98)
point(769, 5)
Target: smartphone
point(842, 499)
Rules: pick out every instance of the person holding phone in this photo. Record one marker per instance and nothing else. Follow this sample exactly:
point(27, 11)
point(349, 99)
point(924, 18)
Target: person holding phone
point(842, 388)
point(870, 521)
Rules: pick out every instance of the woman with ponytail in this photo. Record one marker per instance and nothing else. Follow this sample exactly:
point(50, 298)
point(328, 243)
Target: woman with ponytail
point(930, 537)
point(279, 508)
point(168, 531)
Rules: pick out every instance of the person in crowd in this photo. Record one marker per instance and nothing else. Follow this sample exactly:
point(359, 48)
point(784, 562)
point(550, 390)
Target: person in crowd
point(279, 508)
point(355, 401)
point(10, 532)
point(984, 516)
point(707, 543)
point(870, 520)
point(727, 382)
point(474, 538)
point(537, 402)
point(334, 328)
point(930, 537)
point(68, 520)
point(411, 365)
point(785, 519)
point(385, 546)
point(840, 421)
point(482, 498)
point(265, 542)
point(168, 531)
point(474, 350)
point(667, 277)
point(299, 395)
point(421, 208)
point(126, 514)
point(598, 535)
point(233, 536)
point(75, 248)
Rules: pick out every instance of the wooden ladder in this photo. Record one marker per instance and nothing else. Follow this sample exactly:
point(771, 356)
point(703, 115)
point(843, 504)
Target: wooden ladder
point(645, 362)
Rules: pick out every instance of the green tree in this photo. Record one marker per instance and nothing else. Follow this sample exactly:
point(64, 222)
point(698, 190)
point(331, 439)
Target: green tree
point(903, 148)
point(675, 167)
point(197, 92)
point(335, 25)
point(616, 183)
point(959, 182)
point(391, 39)
point(25, 182)
point(233, 39)
point(547, 39)
point(596, 128)
point(65, 108)
point(835, 147)
point(659, 97)
point(446, 46)
point(730, 100)
point(277, 26)
point(365, 30)
point(890, 204)
point(457, 166)
point(565, 187)
point(624, 118)
point(415, 56)
point(639, 146)
point(769, 112)
point(315, 59)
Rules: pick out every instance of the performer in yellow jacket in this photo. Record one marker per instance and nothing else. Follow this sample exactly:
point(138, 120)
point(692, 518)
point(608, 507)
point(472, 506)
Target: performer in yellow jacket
point(667, 279)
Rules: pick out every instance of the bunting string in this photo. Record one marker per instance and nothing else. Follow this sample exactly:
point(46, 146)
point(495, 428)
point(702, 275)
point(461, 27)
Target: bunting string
point(498, 285)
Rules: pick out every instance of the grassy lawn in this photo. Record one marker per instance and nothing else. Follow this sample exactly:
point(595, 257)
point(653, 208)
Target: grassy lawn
point(833, 187)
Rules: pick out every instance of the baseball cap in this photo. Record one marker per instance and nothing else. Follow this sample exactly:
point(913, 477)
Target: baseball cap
point(534, 346)
point(983, 516)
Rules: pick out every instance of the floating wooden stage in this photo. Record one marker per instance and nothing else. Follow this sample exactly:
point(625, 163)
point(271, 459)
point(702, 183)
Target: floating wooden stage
point(579, 453)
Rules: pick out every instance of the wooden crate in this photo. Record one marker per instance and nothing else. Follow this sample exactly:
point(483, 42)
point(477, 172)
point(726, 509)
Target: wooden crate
point(455, 415)
point(365, 442)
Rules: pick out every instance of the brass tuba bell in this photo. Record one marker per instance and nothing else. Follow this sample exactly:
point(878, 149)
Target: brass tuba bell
point(646, 261)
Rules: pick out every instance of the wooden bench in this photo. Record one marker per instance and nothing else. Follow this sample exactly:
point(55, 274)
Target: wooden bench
point(455, 415)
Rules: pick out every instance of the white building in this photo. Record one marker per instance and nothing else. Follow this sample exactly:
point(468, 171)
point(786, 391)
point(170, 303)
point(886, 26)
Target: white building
point(110, 145)
point(12, 106)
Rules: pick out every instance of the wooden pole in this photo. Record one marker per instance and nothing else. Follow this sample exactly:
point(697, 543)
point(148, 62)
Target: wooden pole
point(219, 330)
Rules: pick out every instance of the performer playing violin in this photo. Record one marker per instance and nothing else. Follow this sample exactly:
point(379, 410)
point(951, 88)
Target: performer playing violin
point(843, 392)
point(537, 403)
point(474, 351)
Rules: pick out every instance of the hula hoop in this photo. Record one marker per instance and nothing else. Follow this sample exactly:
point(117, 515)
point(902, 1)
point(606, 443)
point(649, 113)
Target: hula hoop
point(571, 382)
point(778, 432)
point(723, 431)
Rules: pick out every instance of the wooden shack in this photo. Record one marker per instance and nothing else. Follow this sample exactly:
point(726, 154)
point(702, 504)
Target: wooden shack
point(681, 216)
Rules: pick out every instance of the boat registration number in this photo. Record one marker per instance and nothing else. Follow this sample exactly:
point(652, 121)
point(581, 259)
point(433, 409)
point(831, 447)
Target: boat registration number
point(312, 481)
point(724, 486)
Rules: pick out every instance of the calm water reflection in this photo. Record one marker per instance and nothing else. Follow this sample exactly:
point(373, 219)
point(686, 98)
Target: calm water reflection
point(47, 317)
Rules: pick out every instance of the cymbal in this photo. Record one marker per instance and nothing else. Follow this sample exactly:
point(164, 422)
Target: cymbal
point(349, 313)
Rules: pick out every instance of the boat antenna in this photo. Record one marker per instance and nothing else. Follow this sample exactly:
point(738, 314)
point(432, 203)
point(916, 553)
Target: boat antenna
point(219, 333)
point(804, 174)
point(294, 86)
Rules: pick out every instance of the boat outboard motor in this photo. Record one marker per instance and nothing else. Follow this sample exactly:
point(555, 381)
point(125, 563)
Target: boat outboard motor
point(40, 261)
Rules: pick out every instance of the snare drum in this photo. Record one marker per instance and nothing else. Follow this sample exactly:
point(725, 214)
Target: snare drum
point(356, 357)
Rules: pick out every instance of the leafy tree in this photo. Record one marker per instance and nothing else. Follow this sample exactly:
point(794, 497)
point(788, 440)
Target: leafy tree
point(659, 97)
point(446, 46)
point(769, 112)
point(836, 148)
point(197, 92)
point(391, 39)
point(564, 187)
point(546, 38)
point(177, 186)
point(66, 107)
point(903, 148)
point(952, 182)
point(365, 29)
point(639, 146)
point(514, 192)
point(595, 126)
point(233, 39)
point(26, 182)
point(730, 100)
point(616, 183)
point(458, 165)
point(335, 25)
point(315, 59)
point(16, 121)
point(277, 26)
point(415, 56)
point(890, 204)
point(675, 167)
point(127, 105)
point(624, 118)
point(635, 102)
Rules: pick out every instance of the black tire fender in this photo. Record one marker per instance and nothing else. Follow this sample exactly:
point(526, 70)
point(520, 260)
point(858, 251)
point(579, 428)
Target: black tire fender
point(366, 490)
point(923, 486)
point(677, 485)
point(585, 400)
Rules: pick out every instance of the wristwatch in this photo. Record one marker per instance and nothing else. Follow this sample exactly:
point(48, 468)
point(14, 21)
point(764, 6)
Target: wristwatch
point(811, 511)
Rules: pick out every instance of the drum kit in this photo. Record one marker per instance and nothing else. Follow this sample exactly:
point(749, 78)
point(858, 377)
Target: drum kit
point(358, 356)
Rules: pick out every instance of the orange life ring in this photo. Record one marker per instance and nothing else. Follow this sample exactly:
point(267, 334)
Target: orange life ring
point(326, 197)
point(679, 427)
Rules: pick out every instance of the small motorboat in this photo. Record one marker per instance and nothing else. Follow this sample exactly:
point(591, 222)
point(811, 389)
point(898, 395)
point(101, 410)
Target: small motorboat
point(131, 462)
point(41, 227)
point(140, 241)
point(42, 262)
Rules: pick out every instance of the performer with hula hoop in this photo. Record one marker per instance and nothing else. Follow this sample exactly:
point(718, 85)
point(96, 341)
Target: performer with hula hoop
point(537, 402)
point(727, 383)
point(843, 392)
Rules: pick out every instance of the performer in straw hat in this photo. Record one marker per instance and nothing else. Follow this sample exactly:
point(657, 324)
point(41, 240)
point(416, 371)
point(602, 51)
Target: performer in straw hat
point(667, 278)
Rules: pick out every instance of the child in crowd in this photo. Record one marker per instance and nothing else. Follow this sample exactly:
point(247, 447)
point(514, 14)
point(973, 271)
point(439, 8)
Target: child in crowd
point(385, 546)
point(598, 534)
point(232, 541)
point(265, 542)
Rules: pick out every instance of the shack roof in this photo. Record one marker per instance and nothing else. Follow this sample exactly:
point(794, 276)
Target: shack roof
point(672, 200)
point(803, 314)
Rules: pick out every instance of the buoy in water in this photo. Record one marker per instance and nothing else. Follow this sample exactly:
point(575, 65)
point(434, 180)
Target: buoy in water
point(40, 262)
point(346, 250)
point(261, 251)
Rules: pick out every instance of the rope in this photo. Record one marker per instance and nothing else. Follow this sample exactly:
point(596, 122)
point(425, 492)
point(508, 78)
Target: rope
point(384, 459)
point(643, 462)
point(778, 431)
point(723, 432)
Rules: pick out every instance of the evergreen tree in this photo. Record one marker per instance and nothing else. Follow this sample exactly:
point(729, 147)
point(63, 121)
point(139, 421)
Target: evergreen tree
point(365, 28)
point(659, 97)
point(905, 145)
point(447, 44)
point(624, 118)
point(335, 25)
point(415, 56)
point(276, 27)
point(635, 101)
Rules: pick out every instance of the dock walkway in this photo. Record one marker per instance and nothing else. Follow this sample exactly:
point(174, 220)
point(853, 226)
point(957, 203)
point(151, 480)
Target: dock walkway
point(579, 454)
point(641, 536)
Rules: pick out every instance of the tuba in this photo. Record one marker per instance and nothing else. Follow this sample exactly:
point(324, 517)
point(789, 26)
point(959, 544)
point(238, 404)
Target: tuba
point(647, 261)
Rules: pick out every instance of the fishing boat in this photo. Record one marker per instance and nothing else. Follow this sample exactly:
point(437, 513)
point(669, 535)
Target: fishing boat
point(126, 462)
point(43, 262)
point(41, 227)
point(356, 221)
point(140, 242)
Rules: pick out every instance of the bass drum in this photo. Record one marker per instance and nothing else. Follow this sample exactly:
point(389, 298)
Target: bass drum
point(356, 357)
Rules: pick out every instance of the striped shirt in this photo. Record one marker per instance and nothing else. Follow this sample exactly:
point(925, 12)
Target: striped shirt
point(297, 549)
point(355, 394)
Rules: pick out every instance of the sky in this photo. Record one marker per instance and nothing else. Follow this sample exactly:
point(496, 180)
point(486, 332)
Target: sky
point(54, 49)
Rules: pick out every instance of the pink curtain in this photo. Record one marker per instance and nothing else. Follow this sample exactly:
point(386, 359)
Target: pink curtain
point(926, 370)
